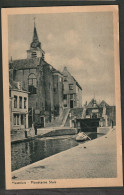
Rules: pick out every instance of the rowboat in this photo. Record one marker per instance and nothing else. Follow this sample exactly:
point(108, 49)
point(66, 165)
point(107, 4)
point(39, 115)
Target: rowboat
point(82, 137)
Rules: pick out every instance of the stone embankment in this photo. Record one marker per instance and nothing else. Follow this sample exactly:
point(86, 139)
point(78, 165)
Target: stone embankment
point(46, 132)
point(93, 159)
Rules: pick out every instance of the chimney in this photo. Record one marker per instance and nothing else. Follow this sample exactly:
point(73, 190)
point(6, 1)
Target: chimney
point(19, 85)
point(65, 68)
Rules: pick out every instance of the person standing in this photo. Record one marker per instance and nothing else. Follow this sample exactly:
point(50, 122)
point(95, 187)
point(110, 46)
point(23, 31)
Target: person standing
point(35, 128)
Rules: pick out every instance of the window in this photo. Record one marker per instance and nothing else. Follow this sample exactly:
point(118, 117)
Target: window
point(65, 78)
point(25, 102)
point(9, 93)
point(54, 89)
point(65, 96)
point(32, 84)
point(65, 104)
point(34, 54)
point(15, 101)
point(22, 119)
point(60, 79)
point(65, 100)
point(16, 119)
point(20, 102)
point(70, 86)
point(71, 96)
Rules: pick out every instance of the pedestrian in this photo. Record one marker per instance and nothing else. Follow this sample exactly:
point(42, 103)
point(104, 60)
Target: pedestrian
point(112, 124)
point(35, 128)
point(26, 136)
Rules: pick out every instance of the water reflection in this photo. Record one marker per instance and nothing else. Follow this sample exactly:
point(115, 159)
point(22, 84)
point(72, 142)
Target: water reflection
point(25, 153)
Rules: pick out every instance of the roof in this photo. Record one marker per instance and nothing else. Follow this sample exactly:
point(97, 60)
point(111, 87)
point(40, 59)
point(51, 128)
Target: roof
point(24, 63)
point(35, 43)
point(35, 36)
point(77, 83)
point(56, 71)
point(92, 103)
point(103, 103)
point(65, 68)
point(14, 86)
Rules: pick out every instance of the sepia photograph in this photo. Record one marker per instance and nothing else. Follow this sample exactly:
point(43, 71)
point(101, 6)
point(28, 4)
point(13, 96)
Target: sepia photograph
point(62, 100)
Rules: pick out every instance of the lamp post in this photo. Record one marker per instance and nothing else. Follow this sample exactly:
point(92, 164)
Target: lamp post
point(70, 120)
point(32, 117)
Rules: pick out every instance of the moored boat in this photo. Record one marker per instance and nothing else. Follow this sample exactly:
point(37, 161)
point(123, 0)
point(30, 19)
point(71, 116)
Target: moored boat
point(82, 137)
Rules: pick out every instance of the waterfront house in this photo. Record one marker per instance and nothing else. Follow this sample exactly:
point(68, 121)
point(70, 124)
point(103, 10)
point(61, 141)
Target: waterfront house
point(18, 106)
point(72, 94)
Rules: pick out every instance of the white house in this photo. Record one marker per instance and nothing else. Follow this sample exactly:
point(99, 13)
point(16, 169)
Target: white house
point(18, 106)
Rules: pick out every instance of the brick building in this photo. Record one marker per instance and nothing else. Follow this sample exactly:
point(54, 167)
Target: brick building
point(44, 84)
point(72, 97)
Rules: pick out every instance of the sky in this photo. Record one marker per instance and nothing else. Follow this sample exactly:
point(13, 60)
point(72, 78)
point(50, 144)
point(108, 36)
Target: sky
point(83, 42)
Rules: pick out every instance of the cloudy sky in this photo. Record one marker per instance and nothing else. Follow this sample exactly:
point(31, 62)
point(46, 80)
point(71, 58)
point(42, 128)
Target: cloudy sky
point(81, 41)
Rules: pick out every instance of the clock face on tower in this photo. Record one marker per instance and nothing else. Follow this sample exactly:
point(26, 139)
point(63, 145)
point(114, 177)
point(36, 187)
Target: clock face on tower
point(33, 45)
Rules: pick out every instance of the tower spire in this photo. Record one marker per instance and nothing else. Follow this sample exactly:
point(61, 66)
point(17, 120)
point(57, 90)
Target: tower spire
point(35, 46)
point(34, 22)
point(35, 36)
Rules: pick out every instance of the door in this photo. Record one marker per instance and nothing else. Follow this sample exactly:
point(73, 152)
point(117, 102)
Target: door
point(30, 121)
point(71, 103)
point(42, 121)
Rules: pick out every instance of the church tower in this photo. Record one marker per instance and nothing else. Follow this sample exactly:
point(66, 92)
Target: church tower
point(35, 46)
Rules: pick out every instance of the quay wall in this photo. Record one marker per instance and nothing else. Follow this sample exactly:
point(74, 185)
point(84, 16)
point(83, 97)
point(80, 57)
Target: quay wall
point(103, 130)
point(59, 132)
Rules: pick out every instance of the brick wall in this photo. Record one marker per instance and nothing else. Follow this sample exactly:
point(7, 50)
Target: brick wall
point(58, 94)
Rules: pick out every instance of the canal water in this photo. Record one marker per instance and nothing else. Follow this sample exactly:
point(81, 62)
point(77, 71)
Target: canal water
point(26, 153)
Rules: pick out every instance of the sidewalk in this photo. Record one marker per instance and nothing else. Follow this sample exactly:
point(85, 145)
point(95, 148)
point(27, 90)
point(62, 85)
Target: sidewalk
point(93, 159)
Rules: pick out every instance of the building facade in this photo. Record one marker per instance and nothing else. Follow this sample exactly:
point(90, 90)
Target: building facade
point(72, 94)
point(43, 82)
point(102, 110)
point(45, 85)
point(18, 106)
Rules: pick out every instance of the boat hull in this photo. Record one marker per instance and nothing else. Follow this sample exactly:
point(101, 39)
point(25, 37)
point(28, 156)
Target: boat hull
point(81, 137)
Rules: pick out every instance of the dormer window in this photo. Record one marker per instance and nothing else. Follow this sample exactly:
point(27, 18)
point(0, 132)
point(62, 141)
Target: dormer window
point(65, 78)
point(32, 84)
point(70, 86)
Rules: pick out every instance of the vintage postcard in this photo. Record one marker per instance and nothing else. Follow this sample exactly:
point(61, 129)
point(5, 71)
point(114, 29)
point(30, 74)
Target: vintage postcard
point(62, 99)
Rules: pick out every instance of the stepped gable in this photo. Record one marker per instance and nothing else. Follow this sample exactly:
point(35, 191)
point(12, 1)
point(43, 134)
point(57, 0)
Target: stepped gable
point(14, 85)
point(24, 63)
point(103, 103)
